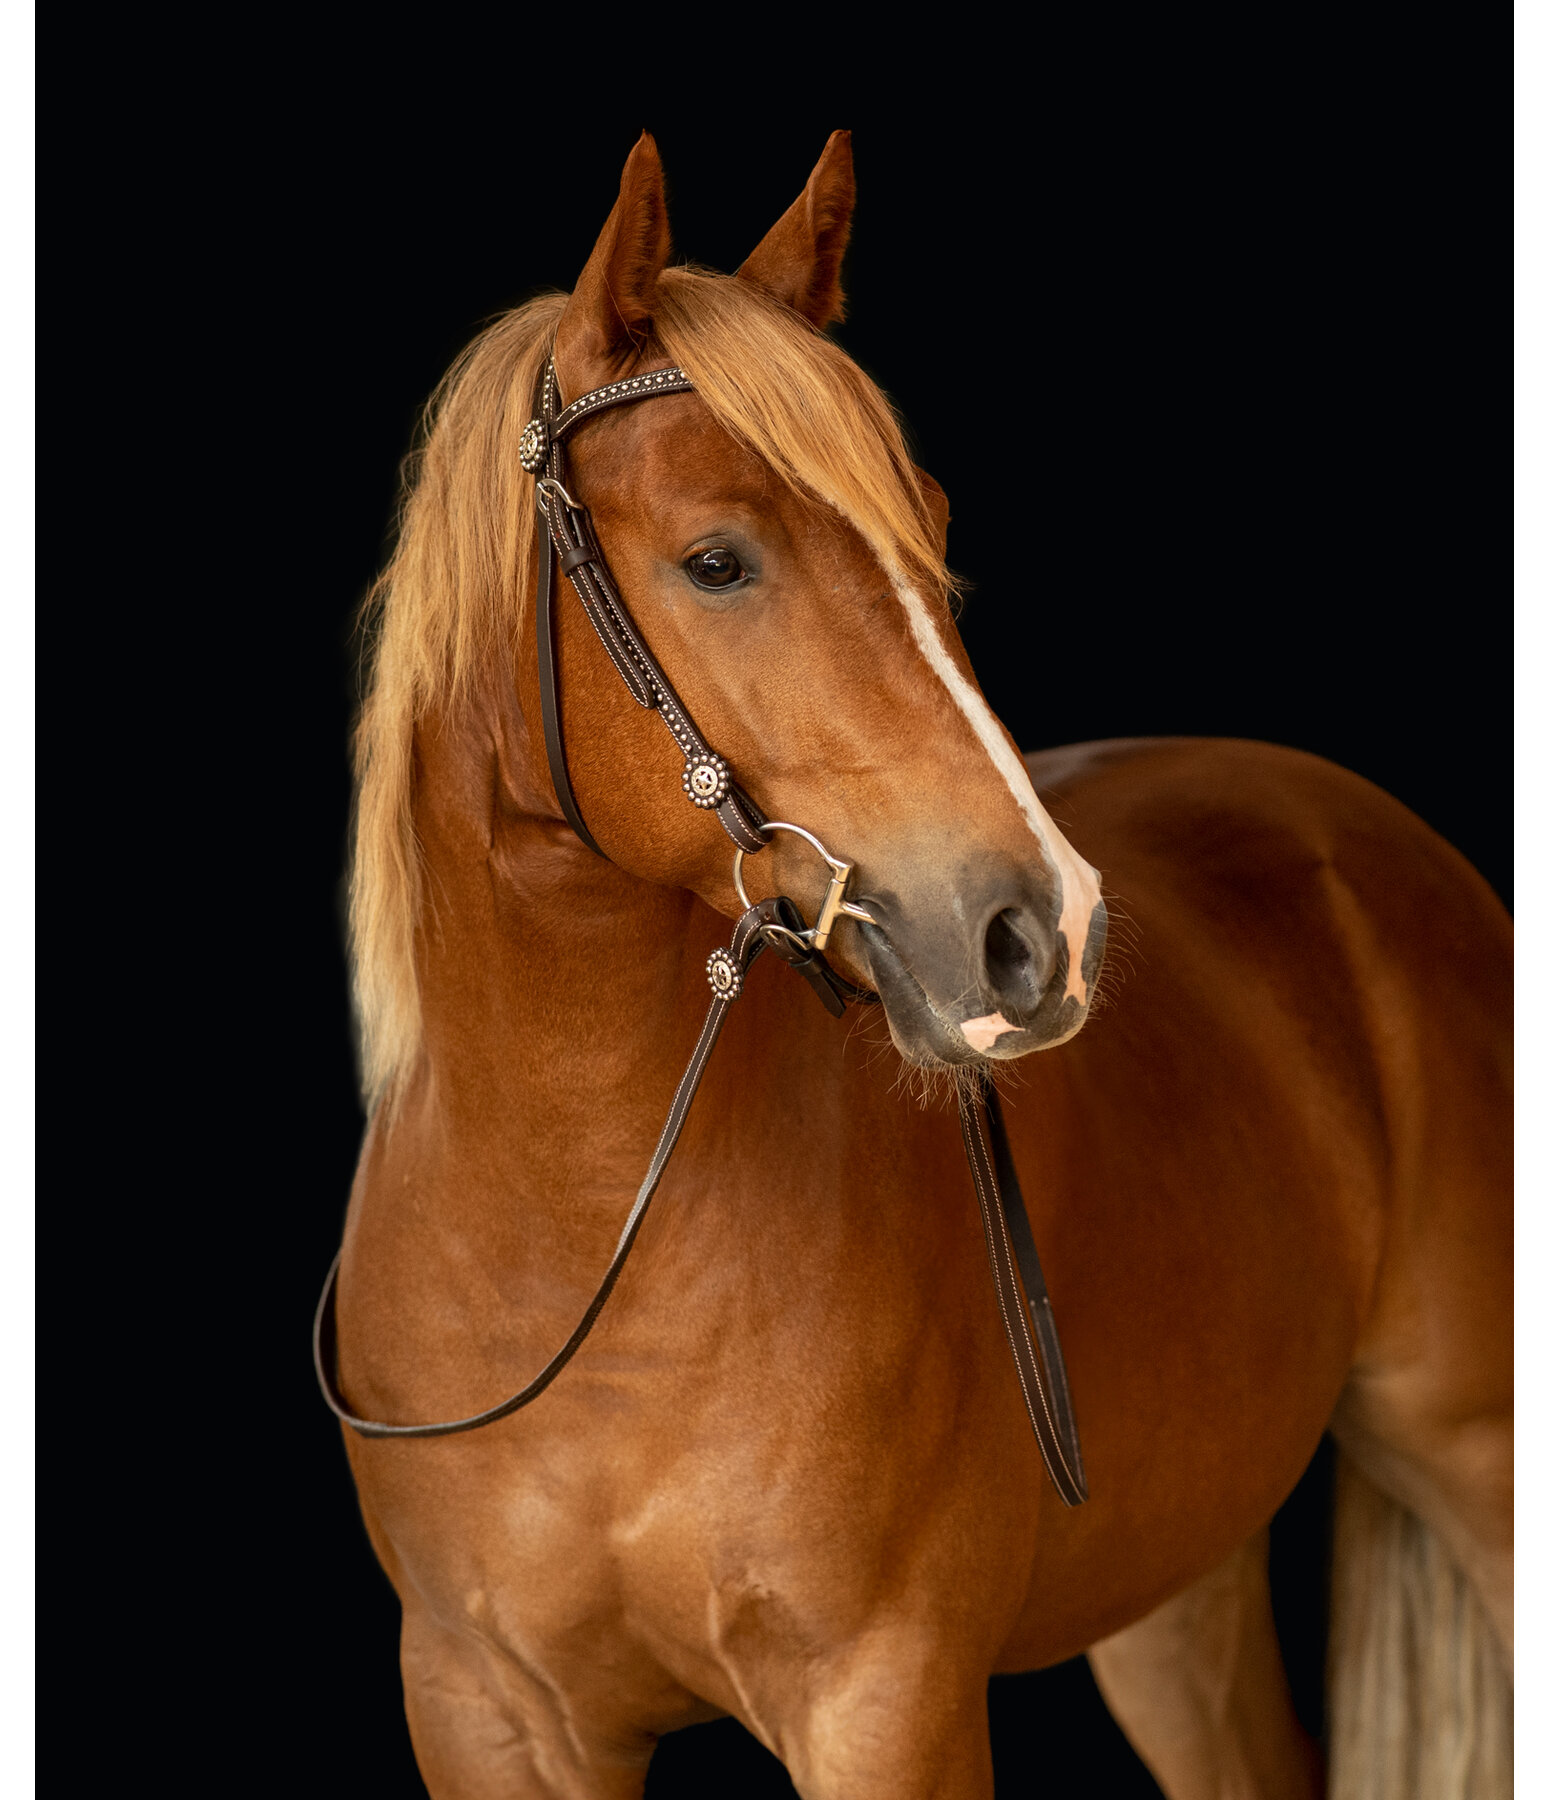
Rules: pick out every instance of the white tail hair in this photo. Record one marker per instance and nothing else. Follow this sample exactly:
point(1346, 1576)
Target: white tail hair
point(1420, 1697)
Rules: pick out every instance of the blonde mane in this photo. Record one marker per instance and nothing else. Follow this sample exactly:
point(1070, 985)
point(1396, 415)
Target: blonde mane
point(454, 595)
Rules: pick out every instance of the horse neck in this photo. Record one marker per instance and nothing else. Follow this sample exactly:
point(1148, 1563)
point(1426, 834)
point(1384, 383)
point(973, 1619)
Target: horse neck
point(553, 983)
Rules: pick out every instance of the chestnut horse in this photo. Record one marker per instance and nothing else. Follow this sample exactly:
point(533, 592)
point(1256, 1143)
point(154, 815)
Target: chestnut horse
point(789, 1476)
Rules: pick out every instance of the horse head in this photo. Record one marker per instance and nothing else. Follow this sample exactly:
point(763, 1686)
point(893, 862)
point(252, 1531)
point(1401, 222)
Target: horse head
point(784, 559)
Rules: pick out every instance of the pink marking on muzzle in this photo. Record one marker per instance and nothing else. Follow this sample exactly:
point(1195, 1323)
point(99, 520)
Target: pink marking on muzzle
point(981, 1034)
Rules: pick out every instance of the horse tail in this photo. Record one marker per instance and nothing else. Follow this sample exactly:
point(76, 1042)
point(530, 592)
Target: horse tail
point(1420, 1698)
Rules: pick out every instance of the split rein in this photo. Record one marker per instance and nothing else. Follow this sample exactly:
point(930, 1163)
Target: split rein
point(565, 538)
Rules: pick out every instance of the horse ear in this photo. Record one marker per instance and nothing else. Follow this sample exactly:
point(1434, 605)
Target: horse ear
point(936, 507)
point(798, 260)
point(609, 315)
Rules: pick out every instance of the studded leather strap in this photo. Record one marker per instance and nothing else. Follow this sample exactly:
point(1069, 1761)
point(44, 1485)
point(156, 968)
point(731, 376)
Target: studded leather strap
point(565, 535)
point(617, 393)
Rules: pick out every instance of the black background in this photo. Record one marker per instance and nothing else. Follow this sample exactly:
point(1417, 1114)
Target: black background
point(1202, 399)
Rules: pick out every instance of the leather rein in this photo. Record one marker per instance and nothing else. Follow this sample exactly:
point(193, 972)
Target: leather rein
point(566, 540)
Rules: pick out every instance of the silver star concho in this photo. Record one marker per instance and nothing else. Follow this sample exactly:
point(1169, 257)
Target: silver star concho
point(706, 780)
point(726, 979)
point(534, 446)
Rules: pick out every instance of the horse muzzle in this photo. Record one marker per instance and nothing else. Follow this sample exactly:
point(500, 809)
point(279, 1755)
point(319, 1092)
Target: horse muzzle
point(997, 990)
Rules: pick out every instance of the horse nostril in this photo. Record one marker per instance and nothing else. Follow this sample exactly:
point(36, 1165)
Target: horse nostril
point(1008, 955)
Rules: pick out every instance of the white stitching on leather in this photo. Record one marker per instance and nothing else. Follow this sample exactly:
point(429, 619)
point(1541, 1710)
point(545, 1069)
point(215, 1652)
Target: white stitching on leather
point(999, 1220)
point(995, 1271)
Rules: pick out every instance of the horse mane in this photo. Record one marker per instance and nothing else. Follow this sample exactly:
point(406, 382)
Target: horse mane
point(454, 593)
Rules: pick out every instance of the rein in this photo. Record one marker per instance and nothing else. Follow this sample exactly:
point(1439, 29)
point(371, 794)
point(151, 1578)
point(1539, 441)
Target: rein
point(565, 538)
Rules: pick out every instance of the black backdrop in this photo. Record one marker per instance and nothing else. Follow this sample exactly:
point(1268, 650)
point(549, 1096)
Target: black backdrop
point(1211, 444)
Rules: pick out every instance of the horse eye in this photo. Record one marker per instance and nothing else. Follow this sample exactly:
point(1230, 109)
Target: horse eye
point(717, 568)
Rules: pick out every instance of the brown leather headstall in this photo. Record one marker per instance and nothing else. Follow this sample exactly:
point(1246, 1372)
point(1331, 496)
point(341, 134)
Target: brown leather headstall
point(566, 539)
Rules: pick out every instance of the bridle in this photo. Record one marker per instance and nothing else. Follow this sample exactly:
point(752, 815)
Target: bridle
point(565, 538)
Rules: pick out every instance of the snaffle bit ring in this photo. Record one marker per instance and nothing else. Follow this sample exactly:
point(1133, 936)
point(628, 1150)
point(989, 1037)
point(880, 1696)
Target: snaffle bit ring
point(835, 905)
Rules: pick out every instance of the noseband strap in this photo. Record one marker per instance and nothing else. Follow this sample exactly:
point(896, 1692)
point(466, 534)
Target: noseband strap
point(565, 538)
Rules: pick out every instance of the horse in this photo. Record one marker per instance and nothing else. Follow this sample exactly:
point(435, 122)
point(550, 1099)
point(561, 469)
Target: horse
point(1255, 1082)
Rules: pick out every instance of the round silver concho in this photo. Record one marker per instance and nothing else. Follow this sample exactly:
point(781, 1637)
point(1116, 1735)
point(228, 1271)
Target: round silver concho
point(726, 980)
point(534, 446)
point(706, 780)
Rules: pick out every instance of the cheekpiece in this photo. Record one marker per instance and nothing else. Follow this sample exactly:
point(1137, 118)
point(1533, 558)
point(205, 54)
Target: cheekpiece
point(534, 447)
point(726, 979)
point(706, 780)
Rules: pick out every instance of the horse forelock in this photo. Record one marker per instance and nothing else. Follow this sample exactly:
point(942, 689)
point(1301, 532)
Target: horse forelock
point(455, 593)
point(800, 404)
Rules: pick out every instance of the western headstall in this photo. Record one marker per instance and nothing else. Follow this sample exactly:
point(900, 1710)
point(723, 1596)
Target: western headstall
point(565, 538)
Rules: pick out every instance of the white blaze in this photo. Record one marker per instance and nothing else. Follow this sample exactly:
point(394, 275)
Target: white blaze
point(1078, 881)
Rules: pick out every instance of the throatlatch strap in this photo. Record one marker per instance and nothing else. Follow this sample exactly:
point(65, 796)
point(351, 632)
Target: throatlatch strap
point(549, 688)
